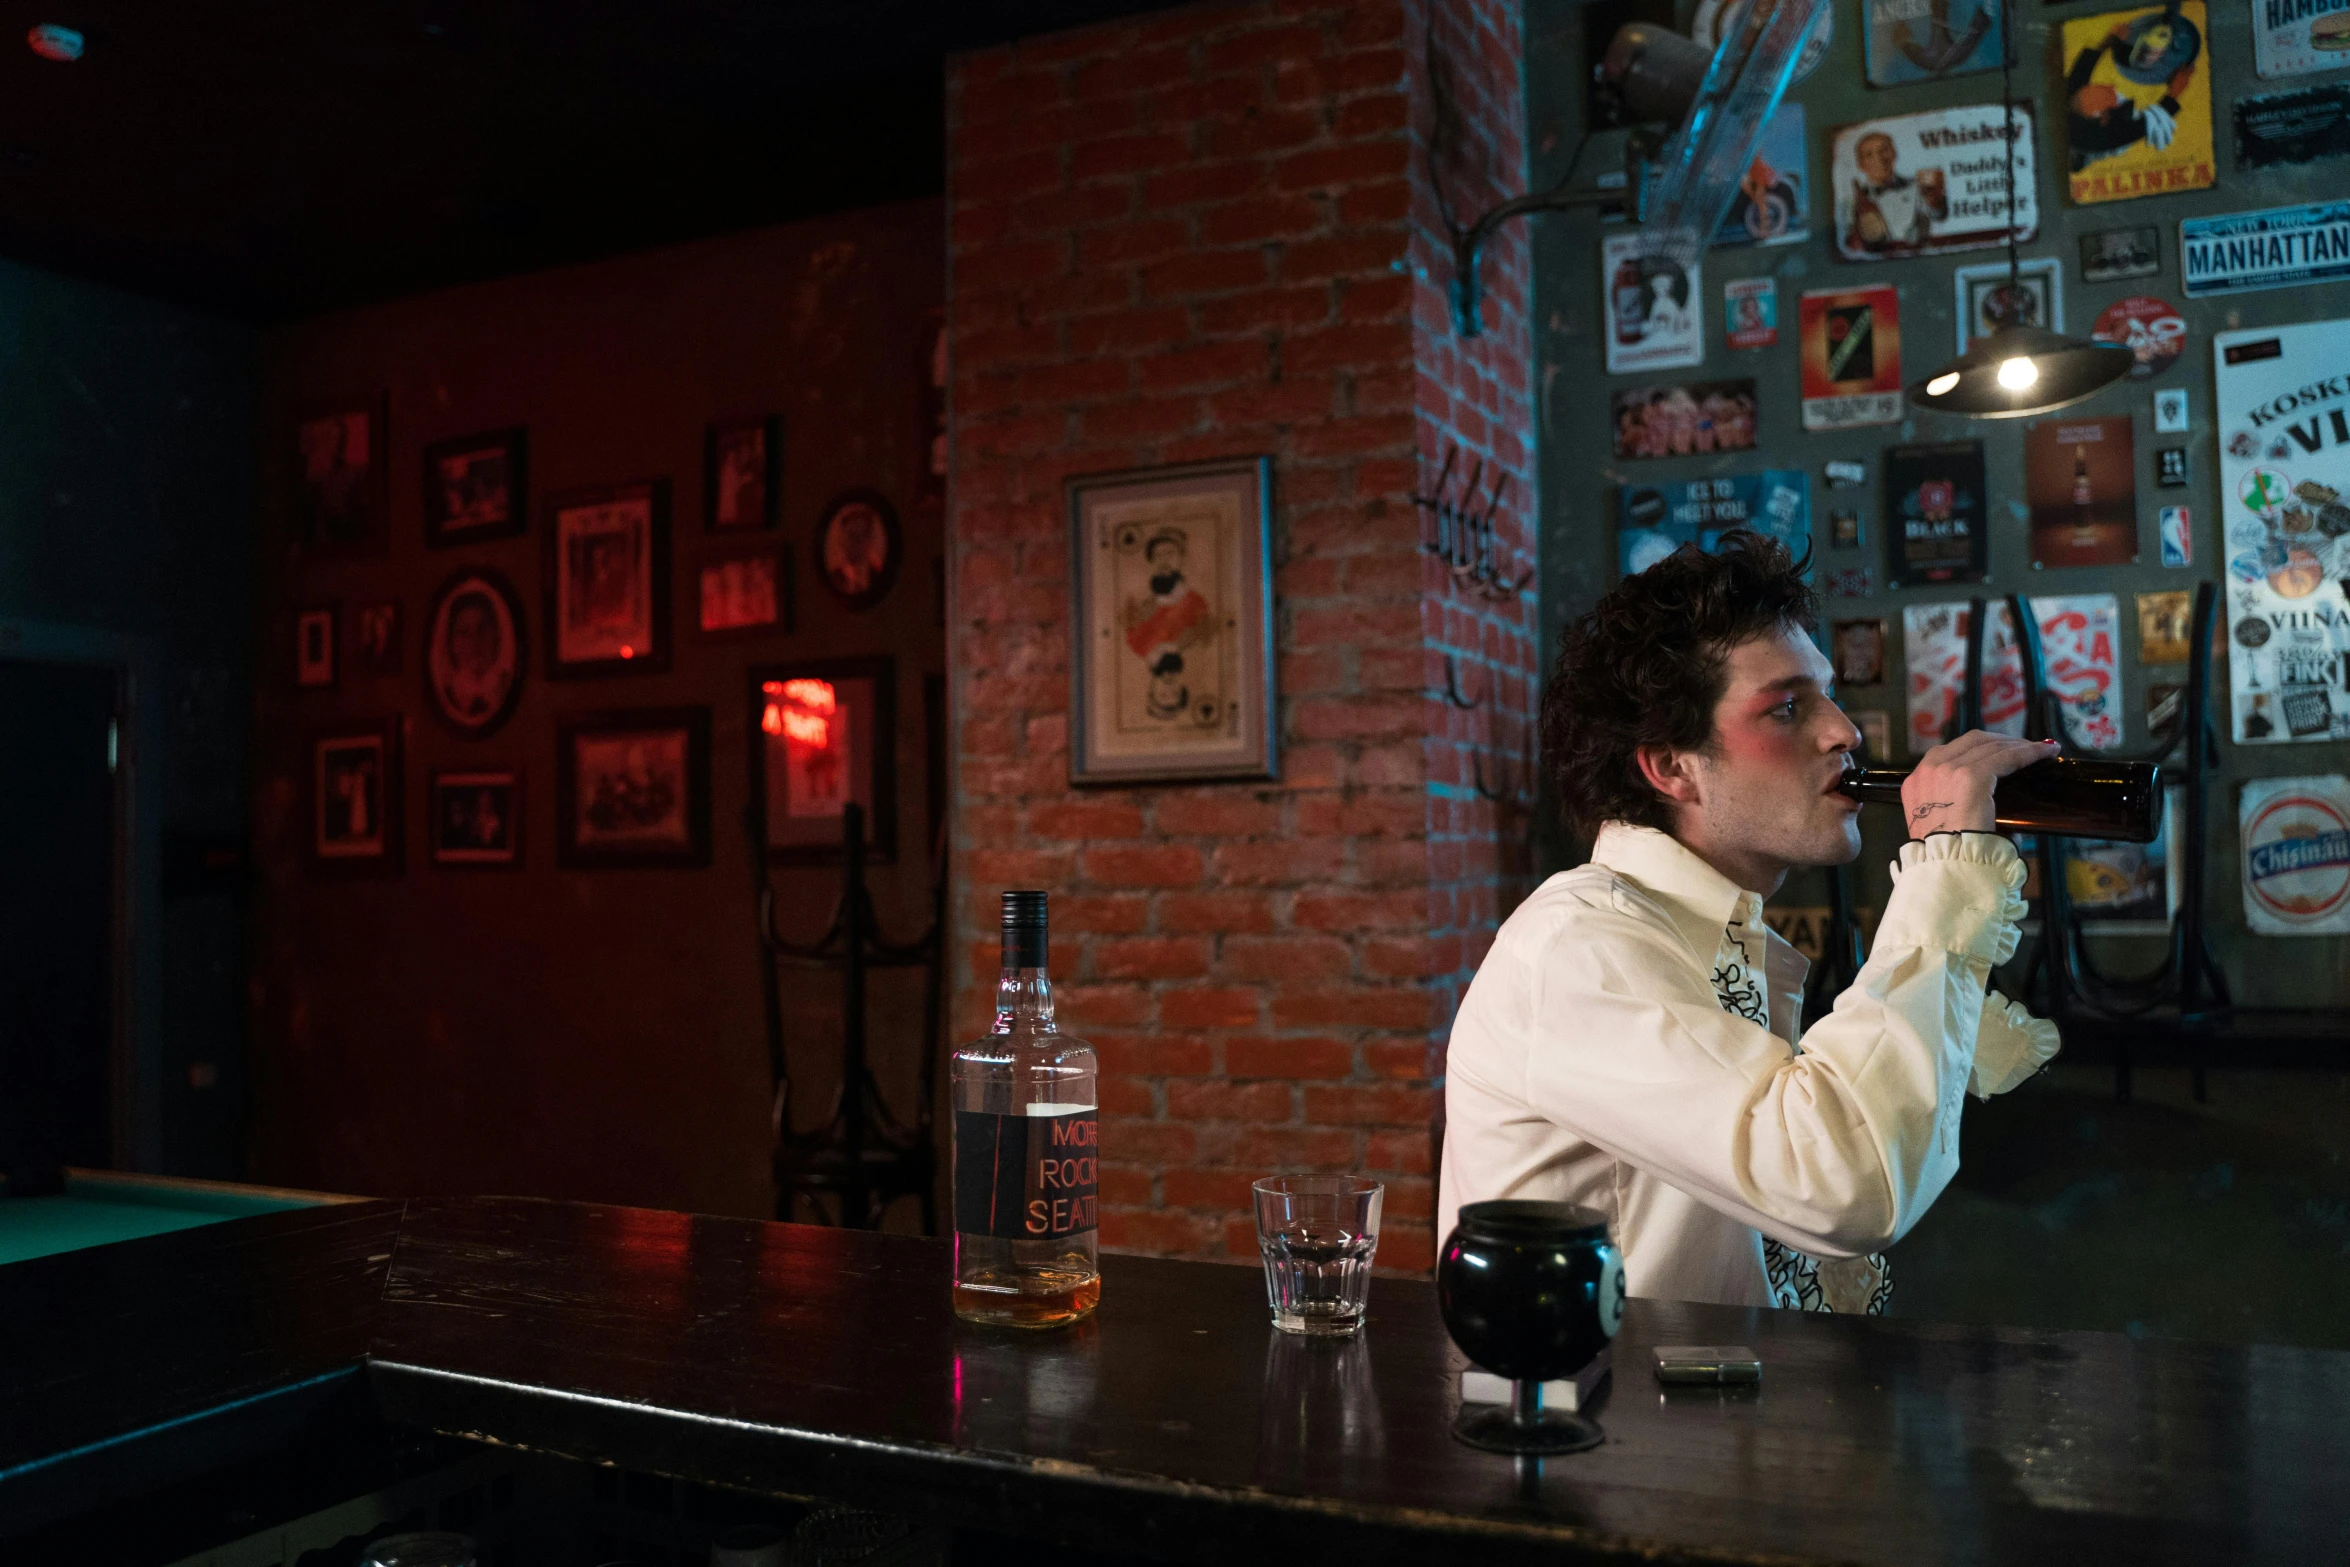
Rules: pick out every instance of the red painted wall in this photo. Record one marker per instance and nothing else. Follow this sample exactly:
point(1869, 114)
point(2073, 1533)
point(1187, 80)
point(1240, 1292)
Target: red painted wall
point(586, 1034)
point(1214, 233)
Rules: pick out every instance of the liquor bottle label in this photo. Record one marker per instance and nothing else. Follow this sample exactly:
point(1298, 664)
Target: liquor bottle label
point(1025, 1177)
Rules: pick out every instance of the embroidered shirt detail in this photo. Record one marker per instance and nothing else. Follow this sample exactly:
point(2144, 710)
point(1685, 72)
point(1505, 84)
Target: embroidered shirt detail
point(1855, 1285)
point(1736, 985)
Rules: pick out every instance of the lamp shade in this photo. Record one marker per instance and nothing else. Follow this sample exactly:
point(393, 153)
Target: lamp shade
point(2021, 370)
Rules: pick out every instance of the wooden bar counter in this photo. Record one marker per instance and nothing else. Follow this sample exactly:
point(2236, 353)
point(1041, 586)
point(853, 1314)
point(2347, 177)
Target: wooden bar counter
point(1176, 1425)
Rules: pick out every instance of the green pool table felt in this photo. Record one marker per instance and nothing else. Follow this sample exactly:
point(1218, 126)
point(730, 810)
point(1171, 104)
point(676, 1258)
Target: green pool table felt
point(99, 1213)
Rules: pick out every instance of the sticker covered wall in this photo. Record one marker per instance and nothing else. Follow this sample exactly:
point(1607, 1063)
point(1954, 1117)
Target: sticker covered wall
point(2284, 431)
point(2138, 103)
point(2080, 640)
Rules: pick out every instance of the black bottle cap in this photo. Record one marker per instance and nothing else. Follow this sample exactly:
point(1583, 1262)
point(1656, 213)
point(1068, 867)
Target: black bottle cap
point(1024, 929)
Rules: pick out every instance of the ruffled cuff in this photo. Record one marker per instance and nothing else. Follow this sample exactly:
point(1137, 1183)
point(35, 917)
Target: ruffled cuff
point(1959, 892)
point(2011, 1045)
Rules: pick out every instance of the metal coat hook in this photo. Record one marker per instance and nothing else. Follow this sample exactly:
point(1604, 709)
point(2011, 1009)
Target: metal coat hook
point(1452, 686)
point(1462, 533)
point(1511, 793)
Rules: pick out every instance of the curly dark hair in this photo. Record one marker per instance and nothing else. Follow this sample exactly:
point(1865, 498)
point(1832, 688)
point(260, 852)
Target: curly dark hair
point(1647, 666)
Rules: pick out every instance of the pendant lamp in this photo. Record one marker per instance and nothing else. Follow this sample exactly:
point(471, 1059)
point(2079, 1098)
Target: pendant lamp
point(2019, 369)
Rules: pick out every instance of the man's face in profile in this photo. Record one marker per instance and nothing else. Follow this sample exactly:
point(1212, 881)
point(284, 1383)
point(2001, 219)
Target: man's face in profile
point(1765, 781)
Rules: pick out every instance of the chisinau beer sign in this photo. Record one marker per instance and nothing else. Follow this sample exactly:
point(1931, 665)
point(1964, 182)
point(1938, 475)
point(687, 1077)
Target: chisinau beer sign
point(2297, 855)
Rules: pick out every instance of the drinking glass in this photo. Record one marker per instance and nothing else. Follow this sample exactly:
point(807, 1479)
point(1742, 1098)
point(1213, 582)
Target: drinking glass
point(1317, 1234)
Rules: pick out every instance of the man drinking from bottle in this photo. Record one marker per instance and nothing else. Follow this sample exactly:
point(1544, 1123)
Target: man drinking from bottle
point(1634, 1041)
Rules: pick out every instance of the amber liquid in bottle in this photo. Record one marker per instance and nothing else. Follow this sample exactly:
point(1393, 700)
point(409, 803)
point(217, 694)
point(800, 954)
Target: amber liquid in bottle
point(2065, 797)
point(1025, 1178)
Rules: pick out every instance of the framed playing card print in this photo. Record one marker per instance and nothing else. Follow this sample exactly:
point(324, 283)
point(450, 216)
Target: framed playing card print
point(1171, 670)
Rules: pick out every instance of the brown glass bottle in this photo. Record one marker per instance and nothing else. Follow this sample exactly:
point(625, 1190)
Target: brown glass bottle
point(2065, 797)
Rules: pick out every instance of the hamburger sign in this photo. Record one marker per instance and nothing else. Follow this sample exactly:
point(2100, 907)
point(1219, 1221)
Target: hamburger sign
point(2295, 37)
point(2297, 855)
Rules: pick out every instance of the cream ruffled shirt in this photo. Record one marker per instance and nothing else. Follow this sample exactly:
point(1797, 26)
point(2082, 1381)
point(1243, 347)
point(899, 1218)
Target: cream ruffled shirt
point(1630, 1044)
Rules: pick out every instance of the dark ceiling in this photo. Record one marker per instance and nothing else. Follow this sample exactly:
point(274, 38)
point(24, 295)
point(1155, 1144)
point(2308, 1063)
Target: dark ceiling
point(279, 157)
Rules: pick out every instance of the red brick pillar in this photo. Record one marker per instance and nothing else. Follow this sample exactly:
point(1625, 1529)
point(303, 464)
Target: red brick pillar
point(1216, 232)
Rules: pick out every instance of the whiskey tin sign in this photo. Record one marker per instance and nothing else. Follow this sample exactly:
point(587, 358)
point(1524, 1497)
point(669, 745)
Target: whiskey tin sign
point(2276, 247)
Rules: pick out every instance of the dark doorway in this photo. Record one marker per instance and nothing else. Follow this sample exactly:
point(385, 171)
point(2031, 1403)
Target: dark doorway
point(57, 848)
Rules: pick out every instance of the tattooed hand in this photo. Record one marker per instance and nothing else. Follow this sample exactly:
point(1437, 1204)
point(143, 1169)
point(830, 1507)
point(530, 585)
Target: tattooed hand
point(1951, 790)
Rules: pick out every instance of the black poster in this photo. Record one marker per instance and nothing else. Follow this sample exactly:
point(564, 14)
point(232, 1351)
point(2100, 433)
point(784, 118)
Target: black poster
point(1936, 525)
point(2293, 127)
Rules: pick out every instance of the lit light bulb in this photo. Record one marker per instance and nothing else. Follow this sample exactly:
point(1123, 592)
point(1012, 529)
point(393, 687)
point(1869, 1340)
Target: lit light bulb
point(1941, 384)
point(2017, 373)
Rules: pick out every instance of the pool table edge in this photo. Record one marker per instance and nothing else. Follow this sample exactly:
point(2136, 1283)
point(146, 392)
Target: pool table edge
point(187, 1183)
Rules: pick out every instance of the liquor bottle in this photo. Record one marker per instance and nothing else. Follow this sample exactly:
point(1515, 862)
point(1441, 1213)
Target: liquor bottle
point(1631, 302)
point(1025, 1129)
point(2064, 796)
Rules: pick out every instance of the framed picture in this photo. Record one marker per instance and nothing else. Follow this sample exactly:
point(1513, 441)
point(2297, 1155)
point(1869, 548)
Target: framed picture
point(1982, 297)
point(341, 505)
point(827, 736)
point(1171, 667)
point(608, 580)
point(2118, 254)
point(473, 652)
point(1859, 648)
point(745, 591)
point(742, 474)
point(858, 548)
point(633, 788)
point(375, 638)
point(476, 487)
point(476, 819)
point(314, 648)
point(355, 800)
